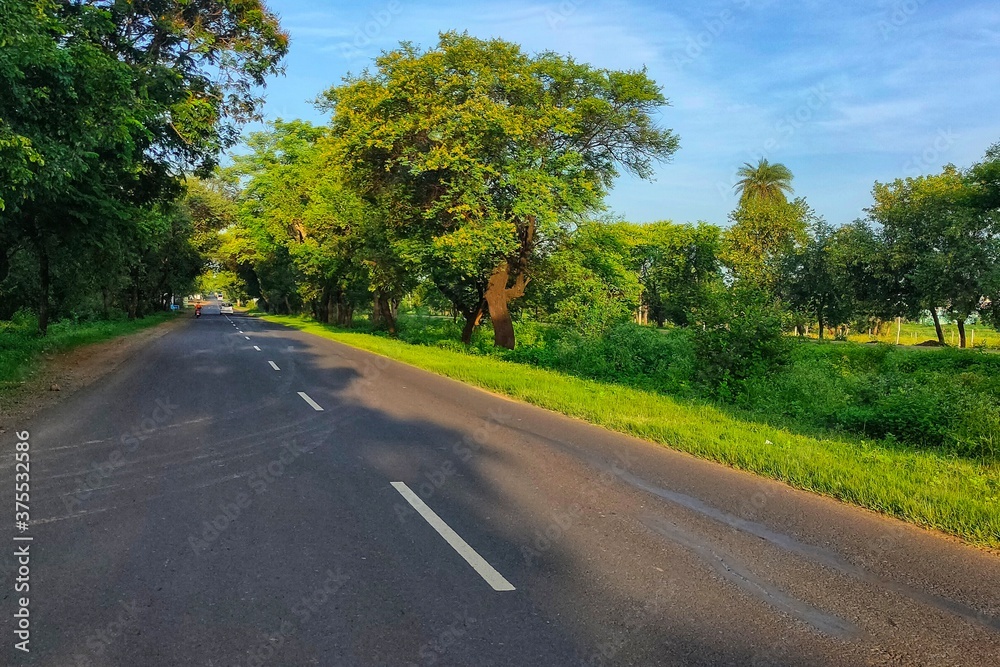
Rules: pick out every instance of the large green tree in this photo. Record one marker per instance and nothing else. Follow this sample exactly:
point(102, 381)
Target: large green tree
point(763, 233)
point(676, 263)
point(944, 240)
point(483, 150)
point(812, 283)
point(106, 104)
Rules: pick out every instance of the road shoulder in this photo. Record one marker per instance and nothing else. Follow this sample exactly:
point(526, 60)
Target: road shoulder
point(59, 375)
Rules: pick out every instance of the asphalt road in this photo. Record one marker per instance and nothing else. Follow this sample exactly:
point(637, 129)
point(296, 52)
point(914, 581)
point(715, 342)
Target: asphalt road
point(196, 508)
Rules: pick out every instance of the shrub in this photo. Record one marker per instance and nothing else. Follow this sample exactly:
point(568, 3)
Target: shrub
point(740, 337)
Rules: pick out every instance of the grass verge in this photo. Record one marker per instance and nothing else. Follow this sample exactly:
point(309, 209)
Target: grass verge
point(957, 496)
point(21, 346)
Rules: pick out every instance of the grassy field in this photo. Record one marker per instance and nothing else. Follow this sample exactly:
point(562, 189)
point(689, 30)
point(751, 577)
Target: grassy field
point(21, 346)
point(956, 495)
point(911, 333)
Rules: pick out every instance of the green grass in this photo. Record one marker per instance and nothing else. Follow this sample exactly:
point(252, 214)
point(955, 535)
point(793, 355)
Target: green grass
point(911, 333)
point(21, 347)
point(956, 495)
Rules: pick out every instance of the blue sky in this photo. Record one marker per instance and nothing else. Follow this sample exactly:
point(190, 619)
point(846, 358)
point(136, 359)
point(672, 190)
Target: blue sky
point(843, 93)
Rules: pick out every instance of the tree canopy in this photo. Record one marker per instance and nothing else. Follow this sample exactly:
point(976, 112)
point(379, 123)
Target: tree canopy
point(763, 181)
point(484, 150)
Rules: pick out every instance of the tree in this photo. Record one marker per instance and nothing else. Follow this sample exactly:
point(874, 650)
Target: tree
point(675, 264)
point(589, 281)
point(275, 179)
point(943, 241)
point(71, 120)
point(861, 261)
point(483, 150)
point(106, 104)
point(763, 181)
point(812, 283)
point(763, 234)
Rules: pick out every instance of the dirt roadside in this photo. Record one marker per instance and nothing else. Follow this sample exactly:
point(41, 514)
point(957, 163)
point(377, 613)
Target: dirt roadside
point(62, 374)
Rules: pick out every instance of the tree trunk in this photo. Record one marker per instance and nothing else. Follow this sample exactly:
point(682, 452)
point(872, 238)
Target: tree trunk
point(961, 333)
point(499, 294)
point(323, 307)
point(133, 297)
point(496, 299)
point(937, 325)
point(340, 309)
point(385, 312)
point(43, 302)
point(472, 320)
point(822, 327)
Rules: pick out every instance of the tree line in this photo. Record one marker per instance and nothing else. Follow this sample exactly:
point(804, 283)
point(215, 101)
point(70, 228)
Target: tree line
point(106, 107)
point(470, 177)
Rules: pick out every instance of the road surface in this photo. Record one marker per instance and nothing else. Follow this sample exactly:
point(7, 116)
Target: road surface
point(239, 493)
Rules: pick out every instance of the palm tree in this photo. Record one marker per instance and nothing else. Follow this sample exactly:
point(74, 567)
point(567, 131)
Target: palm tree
point(765, 181)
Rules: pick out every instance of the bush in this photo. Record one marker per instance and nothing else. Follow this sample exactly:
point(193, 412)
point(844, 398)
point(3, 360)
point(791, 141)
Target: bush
point(943, 399)
point(937, 399)
point(740, 338)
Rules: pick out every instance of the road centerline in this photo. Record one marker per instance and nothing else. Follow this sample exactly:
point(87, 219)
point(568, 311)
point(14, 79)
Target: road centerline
point(478, 563)
point(314, 404)
point(274, 365)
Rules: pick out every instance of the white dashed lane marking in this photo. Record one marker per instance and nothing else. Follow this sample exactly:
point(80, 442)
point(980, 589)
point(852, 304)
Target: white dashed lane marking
point(478, 563)
point(314, 404)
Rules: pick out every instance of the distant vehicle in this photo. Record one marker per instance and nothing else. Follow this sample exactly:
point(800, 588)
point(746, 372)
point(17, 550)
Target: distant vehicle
point(226, 309)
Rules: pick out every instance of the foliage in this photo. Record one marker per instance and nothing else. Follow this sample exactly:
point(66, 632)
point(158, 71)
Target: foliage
point(483, 150)
point(106, 105)
point(763, 181)
point(943, 240)
point(812, 282)
point(763, 234)
point(739, 337)
point(589, 283)
point(676, 265)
